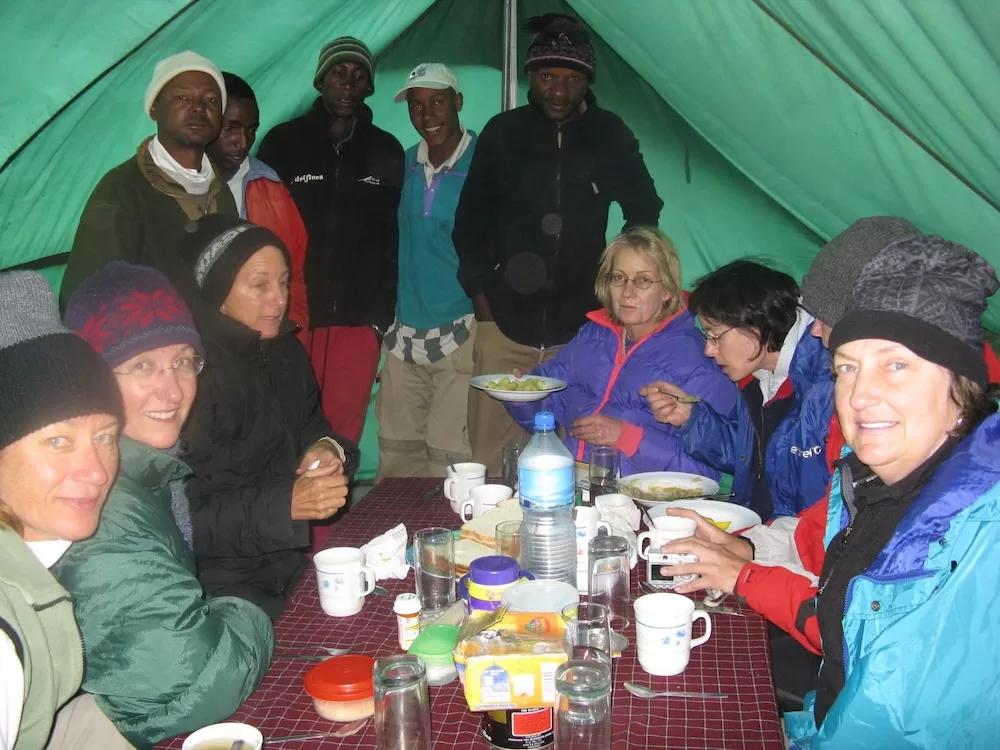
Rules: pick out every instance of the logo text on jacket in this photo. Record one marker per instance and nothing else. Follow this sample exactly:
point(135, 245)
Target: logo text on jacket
point(308, 178)
point(816, 450)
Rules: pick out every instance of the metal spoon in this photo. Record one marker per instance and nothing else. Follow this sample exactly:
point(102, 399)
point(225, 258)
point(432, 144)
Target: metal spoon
point(644, 691)
point(681, 399)
point(297, 737)
point(353, 728)
point(237, 745)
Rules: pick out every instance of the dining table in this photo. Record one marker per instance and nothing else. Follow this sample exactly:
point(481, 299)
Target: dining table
point(734, 661)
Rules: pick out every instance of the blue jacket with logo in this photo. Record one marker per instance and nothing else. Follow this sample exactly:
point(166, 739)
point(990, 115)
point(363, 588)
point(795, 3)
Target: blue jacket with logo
point(794, 460)
point(429, 294)
point(921, 653)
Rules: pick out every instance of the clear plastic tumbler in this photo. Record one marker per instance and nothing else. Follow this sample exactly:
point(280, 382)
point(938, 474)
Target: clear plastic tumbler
point(583, 706)
point(402, 704)
point(610, 579)
point(434, 568)
point(588, 631)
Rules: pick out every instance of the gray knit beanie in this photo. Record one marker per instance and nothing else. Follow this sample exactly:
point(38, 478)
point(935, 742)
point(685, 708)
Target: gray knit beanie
point(826, 288)
point(929, 295)
point(47, 373)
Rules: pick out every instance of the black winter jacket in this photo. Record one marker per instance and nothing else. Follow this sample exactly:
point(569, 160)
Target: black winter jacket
point(348, 198)
point(531, 222)
point(256, 414)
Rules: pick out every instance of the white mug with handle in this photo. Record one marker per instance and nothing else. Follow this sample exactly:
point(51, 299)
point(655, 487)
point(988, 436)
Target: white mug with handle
point(663, 625)
point(460, 481)
point(483, 498)
point(343, 579)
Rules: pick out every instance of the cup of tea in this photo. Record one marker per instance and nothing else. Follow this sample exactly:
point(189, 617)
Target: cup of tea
point(483, 498)
point(343, 579)
point(663, 625)
point(459, 482)
point(222, 737)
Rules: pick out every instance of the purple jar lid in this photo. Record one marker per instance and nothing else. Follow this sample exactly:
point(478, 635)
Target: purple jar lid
point(493, 570)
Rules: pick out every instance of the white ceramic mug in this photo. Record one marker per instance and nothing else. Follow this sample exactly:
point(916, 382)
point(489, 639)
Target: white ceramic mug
point(459, 483)
point(483, 498)
point(588, 524)
point(343, 579)
point(216, 734)
point(666, 529)
point(663, 625)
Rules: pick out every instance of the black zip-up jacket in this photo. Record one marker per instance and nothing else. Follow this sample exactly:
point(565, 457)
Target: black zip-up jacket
point(348, 196)
point(256, 414)
point(531, 221)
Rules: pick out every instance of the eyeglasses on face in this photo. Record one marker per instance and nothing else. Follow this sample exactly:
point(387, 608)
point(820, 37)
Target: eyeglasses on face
point(715, 338)
point(184, 368)
point(642, 283)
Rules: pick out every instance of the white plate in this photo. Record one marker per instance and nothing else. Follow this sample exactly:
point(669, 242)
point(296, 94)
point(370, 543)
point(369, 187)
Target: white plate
point(551, 386)
point(540, 596)
point(739, 517)
point(698, 485)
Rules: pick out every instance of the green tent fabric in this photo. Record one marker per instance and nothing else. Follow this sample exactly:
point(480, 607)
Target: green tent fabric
point(768, 125)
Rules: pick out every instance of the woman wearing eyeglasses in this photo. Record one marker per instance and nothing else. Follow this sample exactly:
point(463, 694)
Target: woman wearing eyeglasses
point(644, 332)
point(265, 460)
point(162, 658)
point(773, 441)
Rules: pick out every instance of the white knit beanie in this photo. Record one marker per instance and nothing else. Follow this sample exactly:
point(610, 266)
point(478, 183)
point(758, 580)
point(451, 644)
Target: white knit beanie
point(174, 65)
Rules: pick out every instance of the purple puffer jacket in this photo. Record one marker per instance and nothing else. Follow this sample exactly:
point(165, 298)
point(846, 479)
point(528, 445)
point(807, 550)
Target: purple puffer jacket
point(605, 380)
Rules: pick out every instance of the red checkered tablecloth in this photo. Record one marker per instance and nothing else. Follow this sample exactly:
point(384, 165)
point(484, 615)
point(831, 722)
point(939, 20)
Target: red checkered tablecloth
point(735, 660)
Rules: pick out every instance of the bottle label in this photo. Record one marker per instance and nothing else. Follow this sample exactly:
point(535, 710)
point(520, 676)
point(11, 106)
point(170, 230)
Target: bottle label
point(546, 488)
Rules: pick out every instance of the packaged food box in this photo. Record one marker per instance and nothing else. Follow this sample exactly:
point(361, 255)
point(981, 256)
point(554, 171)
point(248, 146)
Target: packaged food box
point(513, 663)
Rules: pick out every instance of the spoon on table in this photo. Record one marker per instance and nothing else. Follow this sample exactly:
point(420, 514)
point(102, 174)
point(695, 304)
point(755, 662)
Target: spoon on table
point(351, 728)
point(643, 691)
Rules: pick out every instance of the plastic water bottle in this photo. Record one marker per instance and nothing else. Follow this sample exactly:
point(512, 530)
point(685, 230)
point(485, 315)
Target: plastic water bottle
point(546, 486)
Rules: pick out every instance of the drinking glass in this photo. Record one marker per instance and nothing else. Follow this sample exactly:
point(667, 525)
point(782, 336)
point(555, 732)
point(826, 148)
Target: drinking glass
point(588, 631)
point(604, 467)
point(512, 452)
point(610, 579)
point(583, 706)
point(402, 706)
point(434, 568)
point(508, 539)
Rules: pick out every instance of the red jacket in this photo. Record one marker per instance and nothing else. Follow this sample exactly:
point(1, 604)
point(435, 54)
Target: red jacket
point(266, 201)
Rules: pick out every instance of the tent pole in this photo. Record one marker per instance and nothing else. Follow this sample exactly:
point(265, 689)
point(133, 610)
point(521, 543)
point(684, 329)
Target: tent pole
point(509, 93)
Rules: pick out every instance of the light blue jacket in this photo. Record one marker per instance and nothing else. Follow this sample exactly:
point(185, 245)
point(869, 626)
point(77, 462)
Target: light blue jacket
point(922, 624)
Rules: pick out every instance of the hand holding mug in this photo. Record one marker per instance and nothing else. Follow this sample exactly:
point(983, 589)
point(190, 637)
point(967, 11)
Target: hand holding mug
point(717, 567)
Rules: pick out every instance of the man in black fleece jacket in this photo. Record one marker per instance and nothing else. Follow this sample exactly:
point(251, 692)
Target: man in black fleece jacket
point(345, 176)
point(531, 222)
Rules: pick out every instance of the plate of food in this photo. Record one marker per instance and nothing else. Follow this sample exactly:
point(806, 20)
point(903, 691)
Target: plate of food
point(727, 516)
point(508, 388)
point(653, 488)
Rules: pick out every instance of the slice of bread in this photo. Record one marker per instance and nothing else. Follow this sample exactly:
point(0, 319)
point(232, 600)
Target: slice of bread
point(483, 528)
point(466, 551)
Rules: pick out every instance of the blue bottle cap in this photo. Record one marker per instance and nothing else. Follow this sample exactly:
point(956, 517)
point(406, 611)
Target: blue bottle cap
point(545, 420)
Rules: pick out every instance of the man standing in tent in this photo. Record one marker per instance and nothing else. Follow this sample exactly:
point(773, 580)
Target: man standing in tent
point(260, 195)
point(345, 176)
point(531, 223)
point(424, 390)
point(138, 211)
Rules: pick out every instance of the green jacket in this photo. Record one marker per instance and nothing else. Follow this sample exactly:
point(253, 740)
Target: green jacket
point(37, 615)
point(162, 658)
point(138, 214)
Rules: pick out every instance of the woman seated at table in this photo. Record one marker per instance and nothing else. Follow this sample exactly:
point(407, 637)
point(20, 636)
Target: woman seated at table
point(772, 441)
point(893, 577)
point(265, 460)
point(162, 658)
point(643, 333)
point(60, 413)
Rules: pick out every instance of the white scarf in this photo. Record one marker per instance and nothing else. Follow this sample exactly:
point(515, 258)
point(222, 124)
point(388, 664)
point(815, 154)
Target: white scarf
point(236, 186)
point(194, 181)
point(769, 381)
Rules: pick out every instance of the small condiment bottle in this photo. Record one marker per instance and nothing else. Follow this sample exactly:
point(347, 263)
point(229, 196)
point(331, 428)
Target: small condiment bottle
point(407, 609)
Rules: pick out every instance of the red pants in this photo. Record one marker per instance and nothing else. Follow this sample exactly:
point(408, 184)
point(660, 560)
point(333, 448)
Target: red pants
point(345, 360)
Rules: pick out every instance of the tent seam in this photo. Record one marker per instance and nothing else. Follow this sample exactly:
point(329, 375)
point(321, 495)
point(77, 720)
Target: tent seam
point(97, 79)
point(876, 106)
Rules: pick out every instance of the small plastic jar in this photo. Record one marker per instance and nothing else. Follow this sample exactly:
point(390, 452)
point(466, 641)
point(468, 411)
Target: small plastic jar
point(489, 577)
point(341, 687)
point(407, 609)
point(434, 646)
